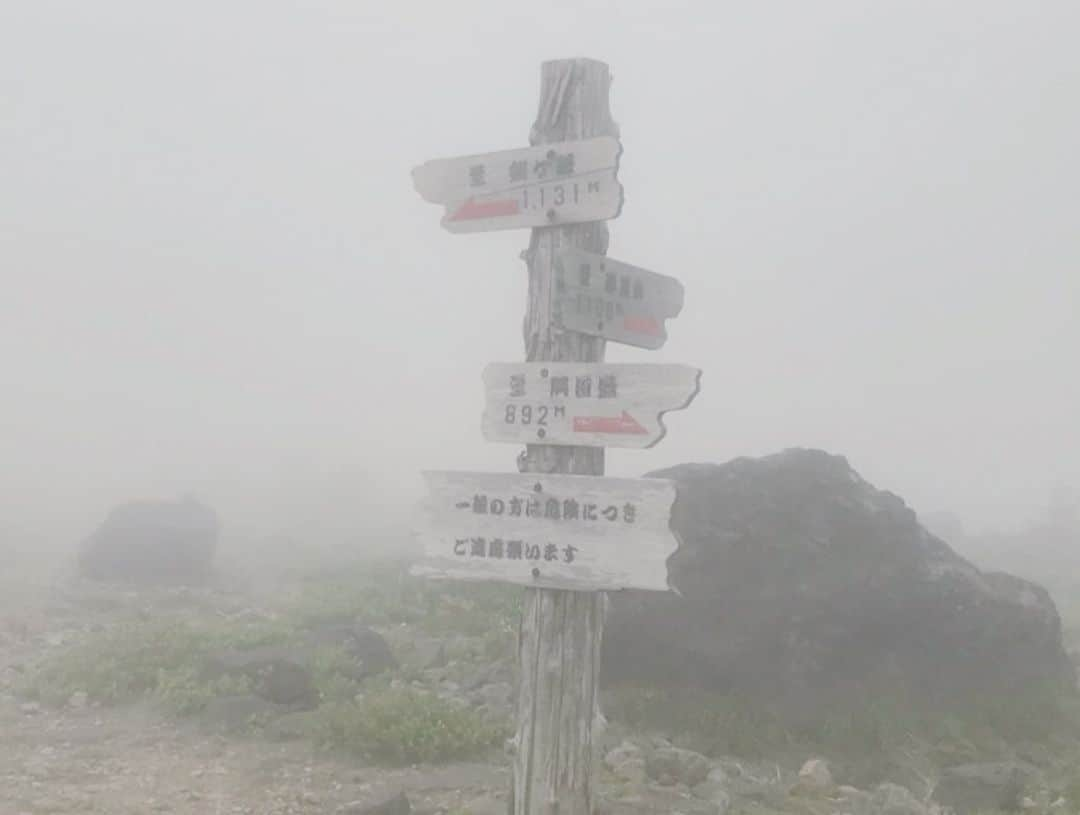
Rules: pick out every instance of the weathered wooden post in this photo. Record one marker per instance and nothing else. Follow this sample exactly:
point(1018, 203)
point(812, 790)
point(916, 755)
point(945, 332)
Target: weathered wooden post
point(559, 528)
point(559, 647)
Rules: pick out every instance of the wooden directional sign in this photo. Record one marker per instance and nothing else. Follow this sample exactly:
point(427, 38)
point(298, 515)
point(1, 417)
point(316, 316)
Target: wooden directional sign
point(606, 298)
point(587, 404)
point(567, 182)
point(551, 531)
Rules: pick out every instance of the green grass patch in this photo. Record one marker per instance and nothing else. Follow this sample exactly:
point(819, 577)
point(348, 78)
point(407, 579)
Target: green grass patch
point(403, 726)
point(158, 658)
point(386, 594)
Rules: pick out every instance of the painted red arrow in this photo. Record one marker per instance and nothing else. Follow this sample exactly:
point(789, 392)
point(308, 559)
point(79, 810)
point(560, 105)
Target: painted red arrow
point(473, 209)
point(625, 424)
point(642, 325)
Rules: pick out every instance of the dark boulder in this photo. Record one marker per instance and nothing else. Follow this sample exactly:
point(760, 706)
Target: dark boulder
point(364, 646)
point(152, 543)
point(800, 581)
point(277, 673)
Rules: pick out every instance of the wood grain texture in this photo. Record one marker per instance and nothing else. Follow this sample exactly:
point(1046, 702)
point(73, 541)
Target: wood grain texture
point(559, 644)
point(574, 532)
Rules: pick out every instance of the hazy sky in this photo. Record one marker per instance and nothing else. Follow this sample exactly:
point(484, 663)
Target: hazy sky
point(215, 275)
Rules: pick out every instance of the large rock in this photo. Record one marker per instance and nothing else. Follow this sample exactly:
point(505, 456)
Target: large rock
point(800, 581)
point(152, 542)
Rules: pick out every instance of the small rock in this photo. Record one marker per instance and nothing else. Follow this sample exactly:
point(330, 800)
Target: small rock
point(991, 786)
point(714, 793)
point(624, 751)
point(78, 700)
point(632, 770)
point(815, 778)
point(396, 805)
point(892, 799)
point(673, 765)
point(30, 708)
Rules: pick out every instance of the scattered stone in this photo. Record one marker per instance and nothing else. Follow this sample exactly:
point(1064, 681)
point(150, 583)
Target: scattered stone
point(673, 765)
point(989, 786)
point(78, 700)
point(892, 799)
point(396, 805)
point(715, 793)
point(815, 778)
point(626, 750)
point(30, 708)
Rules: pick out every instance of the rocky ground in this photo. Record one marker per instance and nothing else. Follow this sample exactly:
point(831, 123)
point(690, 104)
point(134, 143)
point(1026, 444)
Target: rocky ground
point(78, 755)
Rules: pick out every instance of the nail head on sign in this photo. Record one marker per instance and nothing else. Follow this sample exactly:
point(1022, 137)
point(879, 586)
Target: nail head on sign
point(537, 487)
point(535, 573)
point(541, 432)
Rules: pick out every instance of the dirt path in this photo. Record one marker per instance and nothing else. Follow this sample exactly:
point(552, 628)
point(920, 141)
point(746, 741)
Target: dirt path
point(133, 760)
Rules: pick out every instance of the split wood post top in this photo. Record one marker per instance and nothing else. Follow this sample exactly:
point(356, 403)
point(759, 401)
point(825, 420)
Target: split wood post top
point(559, 647)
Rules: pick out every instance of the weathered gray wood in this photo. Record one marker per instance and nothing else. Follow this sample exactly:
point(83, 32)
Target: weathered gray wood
point(559, 645)
point(614, 300)
point(612, 405)
point(569, 182)
point(574, 532)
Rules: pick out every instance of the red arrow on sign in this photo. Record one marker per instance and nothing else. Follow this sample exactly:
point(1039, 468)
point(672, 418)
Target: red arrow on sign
point(625, 424)
point(642, 325)
point(484, 209)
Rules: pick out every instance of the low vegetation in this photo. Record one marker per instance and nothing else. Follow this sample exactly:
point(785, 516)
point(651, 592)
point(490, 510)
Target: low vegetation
point(145, 658)
point(405, 726)
point(162, 659)
point(393, 719)
point(870, 739)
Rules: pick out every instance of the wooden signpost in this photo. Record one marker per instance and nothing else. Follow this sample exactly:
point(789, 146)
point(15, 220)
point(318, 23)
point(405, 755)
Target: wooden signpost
point(534, 186)
point(583, 404)
point(552, 531)
point(558, 527)
point(603, 297)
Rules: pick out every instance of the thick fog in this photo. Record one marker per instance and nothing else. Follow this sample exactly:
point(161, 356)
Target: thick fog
point(216, 277)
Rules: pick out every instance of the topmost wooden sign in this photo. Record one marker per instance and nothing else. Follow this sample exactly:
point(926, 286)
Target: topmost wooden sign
point(546, 185)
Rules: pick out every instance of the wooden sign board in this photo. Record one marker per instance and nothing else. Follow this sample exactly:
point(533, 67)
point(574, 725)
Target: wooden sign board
point(606, 298)
point(581, 403)
point(574, 532)
point(568, 182)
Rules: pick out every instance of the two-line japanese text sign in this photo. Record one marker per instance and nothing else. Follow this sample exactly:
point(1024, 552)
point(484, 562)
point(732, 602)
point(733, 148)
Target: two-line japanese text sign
point(552, 531)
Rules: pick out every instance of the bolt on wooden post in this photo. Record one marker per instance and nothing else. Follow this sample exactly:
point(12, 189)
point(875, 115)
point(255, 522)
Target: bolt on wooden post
point(558, 527)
